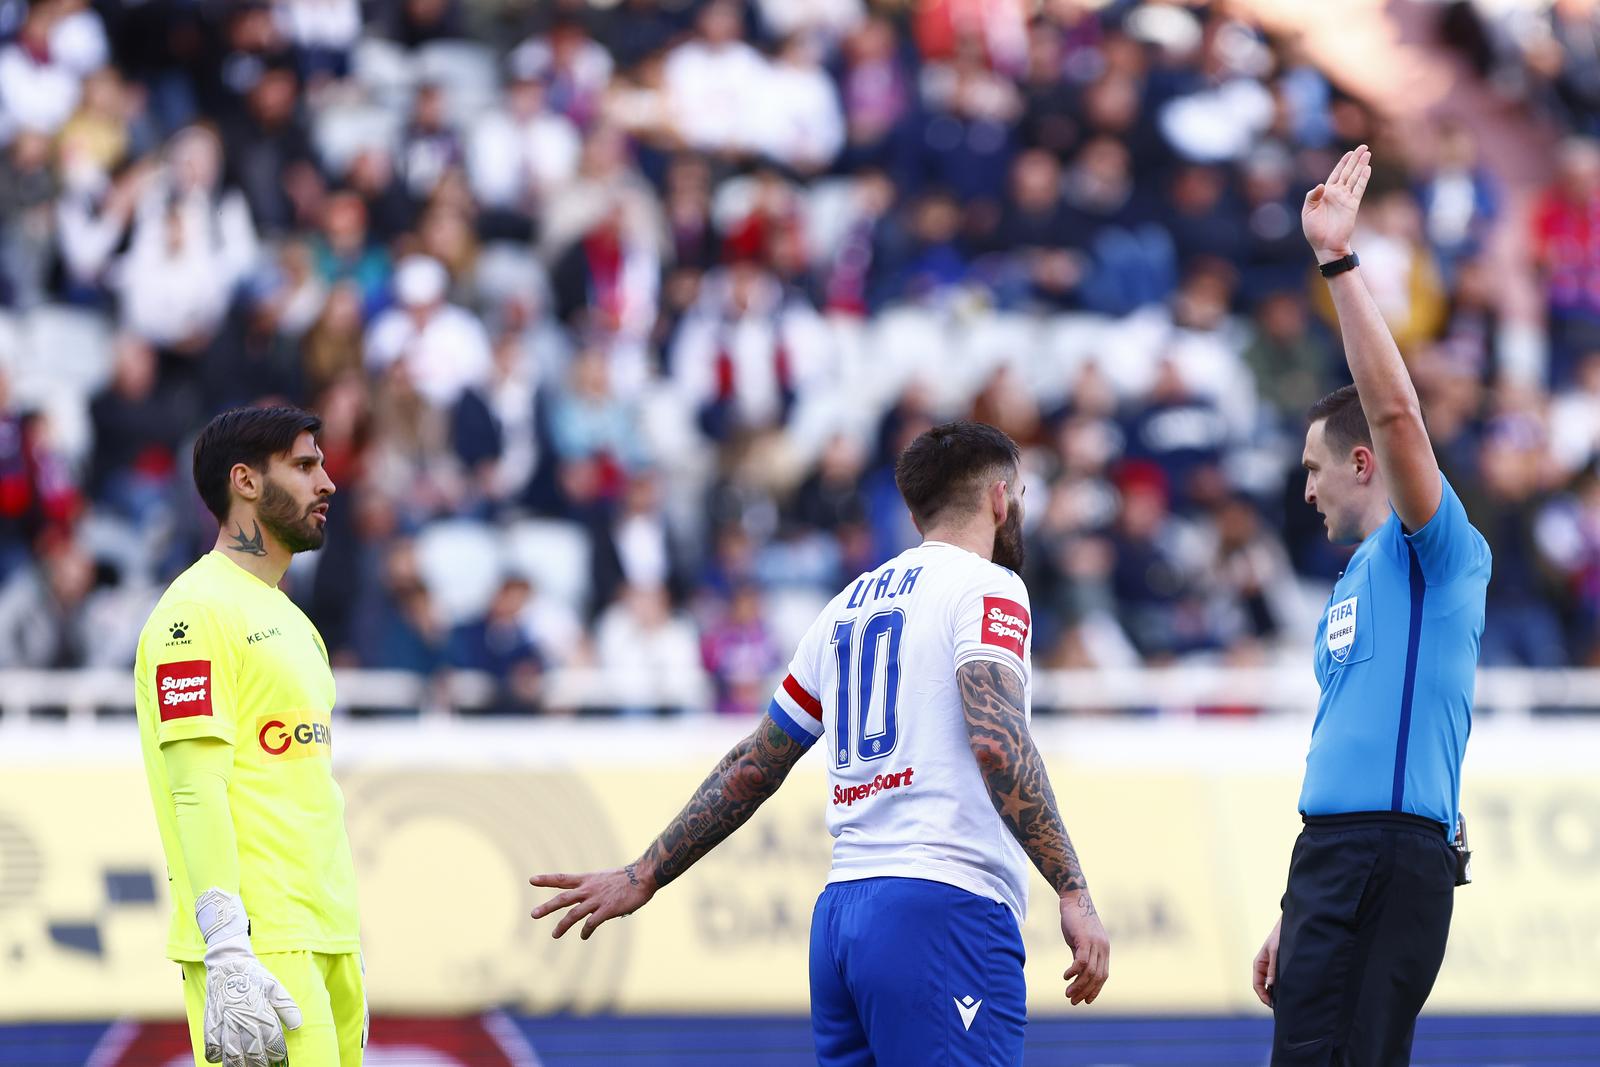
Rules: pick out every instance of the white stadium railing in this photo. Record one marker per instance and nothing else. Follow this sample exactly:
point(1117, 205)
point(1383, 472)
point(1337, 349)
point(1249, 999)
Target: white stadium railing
point(77, 696)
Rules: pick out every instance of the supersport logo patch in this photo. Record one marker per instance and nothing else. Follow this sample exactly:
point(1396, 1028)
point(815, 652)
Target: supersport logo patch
point(293, 736)
point(849, 794)
point(183, 689)
point(1005, 623)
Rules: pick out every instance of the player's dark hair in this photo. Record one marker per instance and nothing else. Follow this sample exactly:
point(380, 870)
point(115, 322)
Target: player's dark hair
point(948, 465)
point(244, 435)
point(1346, 424)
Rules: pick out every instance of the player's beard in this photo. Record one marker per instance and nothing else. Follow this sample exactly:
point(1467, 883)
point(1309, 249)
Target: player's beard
point(1008, 551)
point(286, 521)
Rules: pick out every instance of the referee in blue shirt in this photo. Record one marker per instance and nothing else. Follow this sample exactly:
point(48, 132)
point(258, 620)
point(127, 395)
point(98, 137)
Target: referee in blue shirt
point(1372, 877)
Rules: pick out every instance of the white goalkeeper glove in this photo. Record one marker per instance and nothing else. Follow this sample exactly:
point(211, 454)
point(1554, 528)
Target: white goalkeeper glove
point(244, 1002)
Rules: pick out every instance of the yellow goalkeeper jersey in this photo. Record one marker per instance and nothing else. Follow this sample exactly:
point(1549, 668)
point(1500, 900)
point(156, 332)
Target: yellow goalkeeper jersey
point(225, 655)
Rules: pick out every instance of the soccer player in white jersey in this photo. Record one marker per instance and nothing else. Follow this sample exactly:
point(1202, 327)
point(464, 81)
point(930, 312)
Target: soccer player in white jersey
point(916, 678)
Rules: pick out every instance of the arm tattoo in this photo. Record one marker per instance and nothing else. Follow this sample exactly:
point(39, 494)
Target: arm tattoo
point(750, 773)
point(250, 546)
point(1019, 788)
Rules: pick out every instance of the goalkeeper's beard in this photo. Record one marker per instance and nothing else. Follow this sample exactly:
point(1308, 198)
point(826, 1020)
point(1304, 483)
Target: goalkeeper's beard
point(283, 518)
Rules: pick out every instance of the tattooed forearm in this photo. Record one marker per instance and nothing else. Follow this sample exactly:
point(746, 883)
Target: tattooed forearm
point(250, 546)
point(1019, 788)
point(750, 773)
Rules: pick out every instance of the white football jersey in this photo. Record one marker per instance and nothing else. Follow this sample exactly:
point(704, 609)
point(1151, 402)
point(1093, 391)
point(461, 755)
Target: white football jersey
point(875, 679)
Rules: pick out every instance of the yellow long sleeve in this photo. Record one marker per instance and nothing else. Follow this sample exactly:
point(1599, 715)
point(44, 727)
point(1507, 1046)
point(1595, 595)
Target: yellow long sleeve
point(198, 771)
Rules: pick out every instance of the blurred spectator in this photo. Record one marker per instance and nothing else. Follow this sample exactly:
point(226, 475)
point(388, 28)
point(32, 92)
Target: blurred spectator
point(798, 122)
point(880, 102)
point(37, 493)
point(1459, 199)
point(323, 33)
point(595, 434)
point(38, 87)
point(332, 347)
point(414, 23)
point(1254, 581)
point(1402, 275)
point(1575, 420)
point(1037, 231)
point(499, 645)
point(574, 68)
point(747, 353)
point(1291, 365)
point(1521, 628)
point(494, 429)
point(344, 252)
point(518, 156)
point(709, 80)
point(1568, 533)
point(741, 655)
point(27, 187)
point(1156, 572)
point(437, 346)
point(638, 636)
point(638, 548)
point(139, 428)
point(429, 146)
point(44, 611)
point(401, 629)
point(1566, 245)
point(192, 243)
point(269, 152)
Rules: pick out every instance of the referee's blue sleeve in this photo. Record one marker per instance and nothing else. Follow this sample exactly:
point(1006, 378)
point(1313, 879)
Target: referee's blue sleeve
point(1449, 545)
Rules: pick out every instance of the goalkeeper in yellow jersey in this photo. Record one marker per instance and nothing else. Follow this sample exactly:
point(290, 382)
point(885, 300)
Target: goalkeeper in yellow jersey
point(234, 693)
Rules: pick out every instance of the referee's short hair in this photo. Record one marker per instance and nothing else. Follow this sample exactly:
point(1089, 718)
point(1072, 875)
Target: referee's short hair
point(949, 464)
point(1344, 423)
point(250, 435)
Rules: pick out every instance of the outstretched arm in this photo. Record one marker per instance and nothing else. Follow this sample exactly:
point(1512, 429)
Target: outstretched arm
point(1405, 455)
point(750, 773)
point(1019, 789)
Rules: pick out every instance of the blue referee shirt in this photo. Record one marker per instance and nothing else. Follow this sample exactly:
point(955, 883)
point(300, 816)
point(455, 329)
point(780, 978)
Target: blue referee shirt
point(1397, 652)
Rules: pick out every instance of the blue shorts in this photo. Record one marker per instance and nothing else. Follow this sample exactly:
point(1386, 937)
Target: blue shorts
point(912, 973)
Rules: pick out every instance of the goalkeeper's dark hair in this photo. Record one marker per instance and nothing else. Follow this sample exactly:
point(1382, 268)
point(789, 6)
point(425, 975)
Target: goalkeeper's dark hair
point(949, 465)
point(252, 436)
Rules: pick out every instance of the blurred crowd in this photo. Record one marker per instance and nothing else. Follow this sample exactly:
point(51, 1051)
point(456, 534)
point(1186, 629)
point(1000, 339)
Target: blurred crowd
point(617, 316)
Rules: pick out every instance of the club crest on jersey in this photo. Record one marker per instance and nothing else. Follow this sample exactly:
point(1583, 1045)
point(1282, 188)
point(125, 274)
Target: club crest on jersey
point(1005, 623)
point(1342, 629)
point(183, 689)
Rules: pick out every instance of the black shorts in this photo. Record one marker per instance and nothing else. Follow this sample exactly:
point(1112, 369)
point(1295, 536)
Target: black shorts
point(1365, 922)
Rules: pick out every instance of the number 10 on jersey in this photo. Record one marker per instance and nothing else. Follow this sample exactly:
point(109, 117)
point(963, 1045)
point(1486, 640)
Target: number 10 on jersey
point(883, 628)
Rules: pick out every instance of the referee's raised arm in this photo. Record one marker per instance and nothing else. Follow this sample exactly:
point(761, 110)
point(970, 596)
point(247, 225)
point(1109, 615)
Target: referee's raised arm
point(1388, 398)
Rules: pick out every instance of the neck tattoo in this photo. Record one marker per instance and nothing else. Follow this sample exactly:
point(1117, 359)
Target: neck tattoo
point(250, 546)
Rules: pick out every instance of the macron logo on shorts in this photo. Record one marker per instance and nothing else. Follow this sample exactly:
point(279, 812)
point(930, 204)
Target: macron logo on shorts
point(1005, 623)
point(184, 689)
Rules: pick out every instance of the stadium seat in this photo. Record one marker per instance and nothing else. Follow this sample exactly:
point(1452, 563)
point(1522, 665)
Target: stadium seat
point(790, 612)
point(385, 71)
point(990, 342)
point(460, 563)
point(68, 346)
point(466, 70)
point(552, 554)
point(906, 343)
point(342, 131)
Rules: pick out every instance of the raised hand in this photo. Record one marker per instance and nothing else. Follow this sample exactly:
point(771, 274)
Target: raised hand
point(1329, 214)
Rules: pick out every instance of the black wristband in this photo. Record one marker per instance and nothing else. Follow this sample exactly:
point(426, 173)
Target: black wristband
point(1340, 265)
